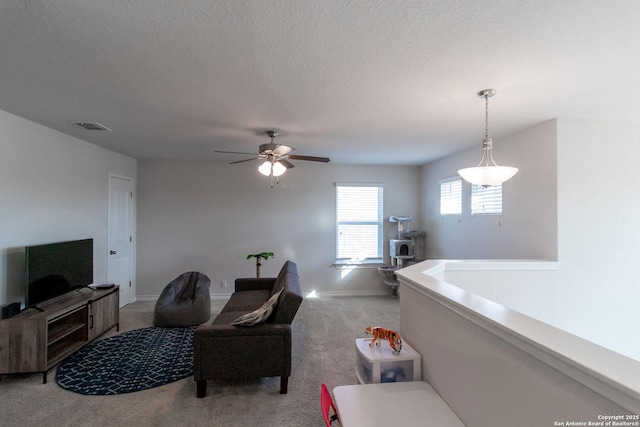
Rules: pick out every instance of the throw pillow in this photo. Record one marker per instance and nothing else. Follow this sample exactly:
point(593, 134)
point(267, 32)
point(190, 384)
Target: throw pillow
point(259, 315)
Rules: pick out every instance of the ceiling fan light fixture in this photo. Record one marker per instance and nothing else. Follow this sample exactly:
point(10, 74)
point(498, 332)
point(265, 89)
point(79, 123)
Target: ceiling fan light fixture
point(278, 169)
point(265, 168)
point(487, 173)
point(275, 158)
point(269, 168)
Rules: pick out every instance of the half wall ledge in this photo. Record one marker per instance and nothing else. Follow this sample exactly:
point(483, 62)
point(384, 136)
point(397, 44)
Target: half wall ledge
point(611, 375)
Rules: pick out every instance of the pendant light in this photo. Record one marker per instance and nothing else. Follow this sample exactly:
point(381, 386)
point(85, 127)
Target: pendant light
point(487, 173)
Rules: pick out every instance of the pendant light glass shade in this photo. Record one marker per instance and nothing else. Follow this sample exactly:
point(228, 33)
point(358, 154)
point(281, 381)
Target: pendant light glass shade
point(487, 172)
point(488, 175)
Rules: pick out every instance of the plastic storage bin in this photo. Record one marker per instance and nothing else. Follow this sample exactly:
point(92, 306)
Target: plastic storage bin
point(378, 364)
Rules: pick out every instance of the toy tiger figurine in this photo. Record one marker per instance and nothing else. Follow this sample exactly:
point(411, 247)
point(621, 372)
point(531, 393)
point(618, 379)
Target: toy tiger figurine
point(395, 341)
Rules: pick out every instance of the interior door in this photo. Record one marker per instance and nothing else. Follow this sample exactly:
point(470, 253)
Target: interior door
point(120, 257)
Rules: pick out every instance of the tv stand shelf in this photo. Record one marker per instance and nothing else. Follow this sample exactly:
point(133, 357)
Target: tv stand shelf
point(37, 340)
point(62, 331)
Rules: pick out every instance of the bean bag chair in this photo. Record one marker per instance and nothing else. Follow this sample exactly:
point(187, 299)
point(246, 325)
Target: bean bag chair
point(184, 302)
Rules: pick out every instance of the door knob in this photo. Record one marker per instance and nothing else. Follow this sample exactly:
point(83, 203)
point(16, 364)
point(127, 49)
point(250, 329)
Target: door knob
point(112, 252)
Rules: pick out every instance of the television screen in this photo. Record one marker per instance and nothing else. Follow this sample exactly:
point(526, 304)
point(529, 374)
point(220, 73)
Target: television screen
point(57, 268)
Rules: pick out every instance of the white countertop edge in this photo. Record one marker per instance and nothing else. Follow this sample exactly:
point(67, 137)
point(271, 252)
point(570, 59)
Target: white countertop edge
point(489, 264)
point(608, 373)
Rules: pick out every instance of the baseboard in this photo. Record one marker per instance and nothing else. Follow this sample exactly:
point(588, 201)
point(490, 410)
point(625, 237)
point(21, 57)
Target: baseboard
point(365, 293)
point(146, 298)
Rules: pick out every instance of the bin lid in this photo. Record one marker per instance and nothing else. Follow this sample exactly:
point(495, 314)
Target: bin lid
point(384, 351)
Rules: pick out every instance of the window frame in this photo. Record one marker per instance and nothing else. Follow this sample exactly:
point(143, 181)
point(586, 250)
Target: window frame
point(490, 197)
point(379, 223)
point(451, 180)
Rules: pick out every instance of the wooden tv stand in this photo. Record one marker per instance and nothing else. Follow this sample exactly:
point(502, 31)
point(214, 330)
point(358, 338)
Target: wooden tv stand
point(35, 341)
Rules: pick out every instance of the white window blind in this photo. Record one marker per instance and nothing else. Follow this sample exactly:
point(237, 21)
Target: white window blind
point(451, 196)
point(359, 223)
point(486, 201)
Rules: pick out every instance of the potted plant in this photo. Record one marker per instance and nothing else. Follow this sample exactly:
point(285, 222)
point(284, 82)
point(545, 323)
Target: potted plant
point(258, 257)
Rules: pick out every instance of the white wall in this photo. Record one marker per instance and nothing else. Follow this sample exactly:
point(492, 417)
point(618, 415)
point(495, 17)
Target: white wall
point(527, 226)
point(599, 231)
point(594, 293)
point(207, 216)
point(53, 187)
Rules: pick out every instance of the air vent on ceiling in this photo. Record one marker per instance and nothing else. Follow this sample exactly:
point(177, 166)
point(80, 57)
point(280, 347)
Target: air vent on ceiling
point(91, 126)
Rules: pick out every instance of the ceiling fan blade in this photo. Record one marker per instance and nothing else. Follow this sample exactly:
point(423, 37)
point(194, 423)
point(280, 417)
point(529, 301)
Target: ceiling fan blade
point(282, 150)
point(310, 158)
point(235, 152)
point(245, 160)
point(286, 164)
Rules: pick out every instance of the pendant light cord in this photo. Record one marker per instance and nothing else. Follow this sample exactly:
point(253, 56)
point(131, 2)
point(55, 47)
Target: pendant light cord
point(486, 116)
point(487, 172)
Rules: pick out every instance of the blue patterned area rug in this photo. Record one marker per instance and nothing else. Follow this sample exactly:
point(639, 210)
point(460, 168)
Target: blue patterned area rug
point(132, 361)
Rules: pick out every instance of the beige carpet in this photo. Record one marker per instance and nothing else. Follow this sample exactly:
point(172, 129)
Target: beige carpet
point(323, 351)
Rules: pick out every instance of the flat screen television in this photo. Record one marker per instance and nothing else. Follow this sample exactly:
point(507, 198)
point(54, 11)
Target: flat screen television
point(57, 268)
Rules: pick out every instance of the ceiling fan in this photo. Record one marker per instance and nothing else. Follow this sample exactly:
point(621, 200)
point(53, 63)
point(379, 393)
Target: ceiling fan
point(276, 157)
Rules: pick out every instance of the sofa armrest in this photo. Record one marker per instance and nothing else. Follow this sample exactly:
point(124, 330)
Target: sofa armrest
point(254, 283)
point(230, 352)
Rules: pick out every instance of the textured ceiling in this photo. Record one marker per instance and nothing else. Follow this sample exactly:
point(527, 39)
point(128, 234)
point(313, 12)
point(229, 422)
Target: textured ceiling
point(361, 81)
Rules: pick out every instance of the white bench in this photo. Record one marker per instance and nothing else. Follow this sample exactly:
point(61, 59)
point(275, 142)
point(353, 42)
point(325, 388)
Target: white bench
point(411, 403)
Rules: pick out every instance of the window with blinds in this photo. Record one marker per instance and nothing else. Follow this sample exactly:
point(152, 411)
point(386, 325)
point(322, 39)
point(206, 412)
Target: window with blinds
point(486, 200)
point(451, 196)
point(359, 223)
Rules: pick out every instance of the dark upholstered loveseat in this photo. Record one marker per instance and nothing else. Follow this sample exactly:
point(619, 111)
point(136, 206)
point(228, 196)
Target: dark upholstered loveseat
point(222, 351)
